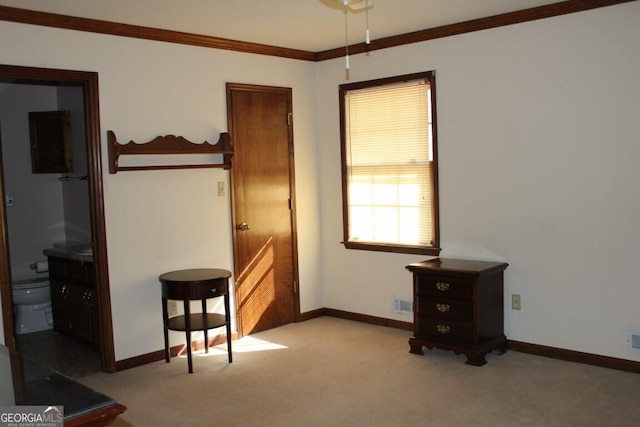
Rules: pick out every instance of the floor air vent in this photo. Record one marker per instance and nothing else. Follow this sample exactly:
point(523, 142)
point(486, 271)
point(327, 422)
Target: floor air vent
point(634, 341)
point(402, 306)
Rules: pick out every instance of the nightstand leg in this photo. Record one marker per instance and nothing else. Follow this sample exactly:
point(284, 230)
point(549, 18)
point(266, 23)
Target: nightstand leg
point(187, 322)
point(204, 322)
point(415, 347)
point(189, 352)
point(227, 317)
point(165, 320)
point(503, 348)
point(476, 359)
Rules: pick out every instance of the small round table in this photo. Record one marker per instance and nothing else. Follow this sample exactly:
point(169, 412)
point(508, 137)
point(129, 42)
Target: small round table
point(195, 284)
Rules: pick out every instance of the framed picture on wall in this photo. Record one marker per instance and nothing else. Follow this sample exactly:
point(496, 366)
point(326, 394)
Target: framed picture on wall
point(50, 137)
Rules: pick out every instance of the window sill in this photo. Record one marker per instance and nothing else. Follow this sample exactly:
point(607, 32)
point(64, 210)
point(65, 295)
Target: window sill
point(403, 249)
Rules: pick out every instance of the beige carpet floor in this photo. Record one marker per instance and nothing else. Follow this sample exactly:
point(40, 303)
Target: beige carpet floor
point(334, 372)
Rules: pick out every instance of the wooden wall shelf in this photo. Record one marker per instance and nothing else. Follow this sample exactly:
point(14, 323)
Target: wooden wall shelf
point(168, 144)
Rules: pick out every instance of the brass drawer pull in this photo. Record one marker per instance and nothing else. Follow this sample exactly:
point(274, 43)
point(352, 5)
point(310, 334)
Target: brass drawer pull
point(443, 308)
point(442, 286)
point(443, 329)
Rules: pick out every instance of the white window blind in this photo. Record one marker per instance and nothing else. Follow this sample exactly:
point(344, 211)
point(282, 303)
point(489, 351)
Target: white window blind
point(389, 164)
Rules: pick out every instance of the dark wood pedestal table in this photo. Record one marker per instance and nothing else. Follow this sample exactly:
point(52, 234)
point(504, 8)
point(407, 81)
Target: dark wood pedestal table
point(195, 284)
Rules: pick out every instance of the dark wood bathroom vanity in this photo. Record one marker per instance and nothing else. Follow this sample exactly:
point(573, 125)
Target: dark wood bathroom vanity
point(73, 294)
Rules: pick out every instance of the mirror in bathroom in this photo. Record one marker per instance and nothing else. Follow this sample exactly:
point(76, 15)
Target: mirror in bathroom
point(50, 137)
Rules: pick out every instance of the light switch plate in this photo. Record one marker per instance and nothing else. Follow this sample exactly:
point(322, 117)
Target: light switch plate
point(516, 302)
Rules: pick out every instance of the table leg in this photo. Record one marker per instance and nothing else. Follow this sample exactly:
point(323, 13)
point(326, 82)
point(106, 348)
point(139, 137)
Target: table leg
point(204, 322)
point(165, 322)
point(227, 317)
point(187, 324)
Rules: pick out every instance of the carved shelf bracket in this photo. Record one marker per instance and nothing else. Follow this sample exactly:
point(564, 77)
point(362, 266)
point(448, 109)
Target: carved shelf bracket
point(168, 144)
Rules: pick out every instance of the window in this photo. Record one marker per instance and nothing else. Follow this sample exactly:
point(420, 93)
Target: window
point(389, 164)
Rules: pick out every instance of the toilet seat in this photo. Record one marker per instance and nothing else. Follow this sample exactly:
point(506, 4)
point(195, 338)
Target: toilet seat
point(29, 284)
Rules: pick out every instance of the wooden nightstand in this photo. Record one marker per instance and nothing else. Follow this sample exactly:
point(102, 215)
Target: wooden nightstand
point(195, 284)
point(458, 306)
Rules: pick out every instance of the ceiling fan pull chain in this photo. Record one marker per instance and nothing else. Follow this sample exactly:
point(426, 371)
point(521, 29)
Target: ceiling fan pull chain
point(346, 34)
point(366, 11)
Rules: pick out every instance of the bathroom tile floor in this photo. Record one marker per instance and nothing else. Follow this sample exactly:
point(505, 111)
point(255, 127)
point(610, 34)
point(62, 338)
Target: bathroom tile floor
point(66, 355)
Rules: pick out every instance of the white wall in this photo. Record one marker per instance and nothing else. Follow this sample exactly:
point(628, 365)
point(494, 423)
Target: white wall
point(538, 154)
point(37, 219)
point(75, 193)
point(538, 128)
point(157, 221)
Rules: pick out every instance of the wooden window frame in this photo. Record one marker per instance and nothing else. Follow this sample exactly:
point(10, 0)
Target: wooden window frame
point(425, 249)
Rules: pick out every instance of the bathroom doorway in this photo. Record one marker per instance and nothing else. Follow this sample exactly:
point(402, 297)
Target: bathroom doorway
point(83, 86)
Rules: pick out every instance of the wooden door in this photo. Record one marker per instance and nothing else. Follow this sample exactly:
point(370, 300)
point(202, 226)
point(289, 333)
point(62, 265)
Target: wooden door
point(264, 236)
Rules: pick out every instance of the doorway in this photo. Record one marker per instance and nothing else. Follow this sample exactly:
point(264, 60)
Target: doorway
point(88, 82)
point(263, 206)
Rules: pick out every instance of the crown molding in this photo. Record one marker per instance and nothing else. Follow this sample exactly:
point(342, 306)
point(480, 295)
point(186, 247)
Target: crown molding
point(125, 30)
point(518, 17)
point(46, 19)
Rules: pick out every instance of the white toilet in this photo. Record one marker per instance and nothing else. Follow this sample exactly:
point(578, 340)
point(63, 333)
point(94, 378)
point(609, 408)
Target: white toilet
point(32, 305)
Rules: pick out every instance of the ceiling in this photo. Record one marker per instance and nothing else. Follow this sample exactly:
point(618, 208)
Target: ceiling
point(309, 25)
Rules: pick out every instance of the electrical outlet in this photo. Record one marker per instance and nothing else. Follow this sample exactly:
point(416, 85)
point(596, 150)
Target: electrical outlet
point(173, 308)
point(516, 302)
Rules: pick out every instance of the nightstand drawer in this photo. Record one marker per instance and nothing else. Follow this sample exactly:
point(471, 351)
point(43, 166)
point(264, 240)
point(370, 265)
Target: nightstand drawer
point(444, 287)
point(440, 330)
point(446, 309)
point(195, 291)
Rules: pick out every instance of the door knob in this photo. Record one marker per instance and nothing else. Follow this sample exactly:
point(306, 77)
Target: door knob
point(243, 226)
